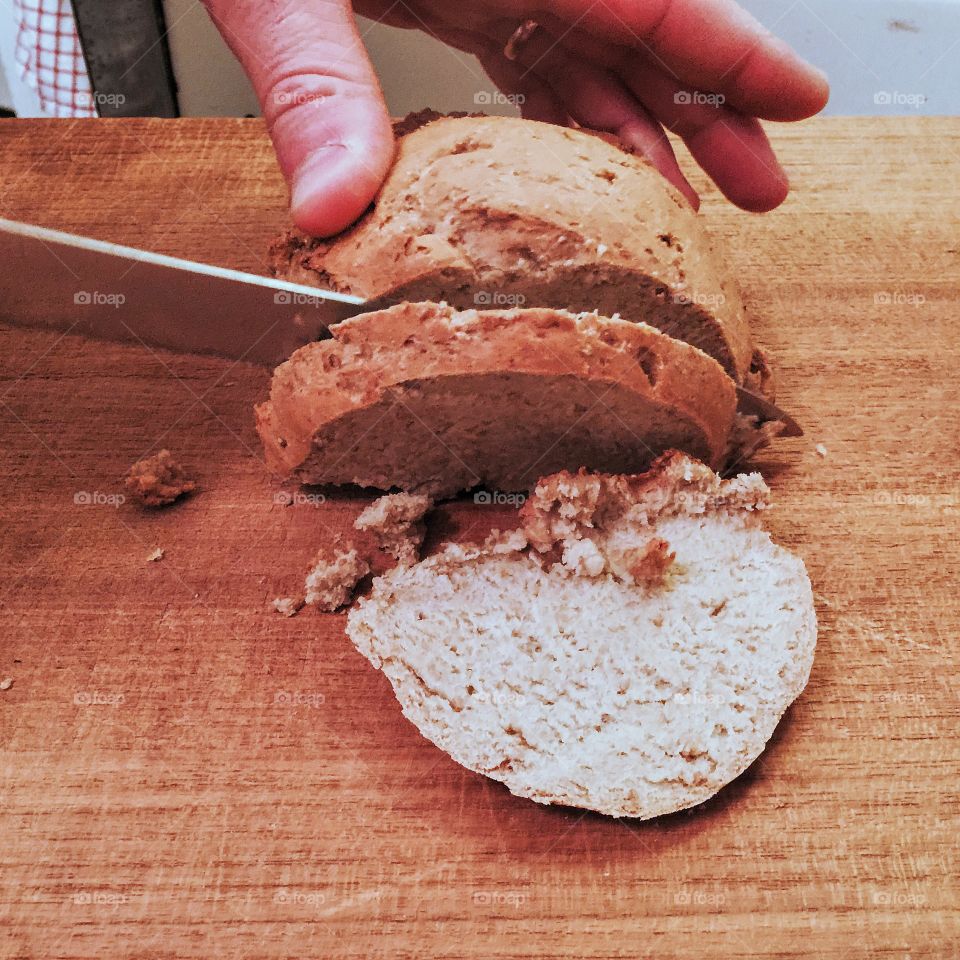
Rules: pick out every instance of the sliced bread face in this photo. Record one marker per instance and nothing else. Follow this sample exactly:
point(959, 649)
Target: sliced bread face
point(549, 660)
point(426, 399)
point(491, 212)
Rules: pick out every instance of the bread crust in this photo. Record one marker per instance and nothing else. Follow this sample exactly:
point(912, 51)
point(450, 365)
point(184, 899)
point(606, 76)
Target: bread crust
point(494, 211)
point(565, 504)
point(383, 358)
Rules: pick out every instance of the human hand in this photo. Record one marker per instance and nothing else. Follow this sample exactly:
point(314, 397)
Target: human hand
point(704, 69)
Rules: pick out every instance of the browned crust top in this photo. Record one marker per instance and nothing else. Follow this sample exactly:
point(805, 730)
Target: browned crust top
point(498, 178)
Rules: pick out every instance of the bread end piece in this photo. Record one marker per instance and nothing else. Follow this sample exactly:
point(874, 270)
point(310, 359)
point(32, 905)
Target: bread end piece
point(588, 686)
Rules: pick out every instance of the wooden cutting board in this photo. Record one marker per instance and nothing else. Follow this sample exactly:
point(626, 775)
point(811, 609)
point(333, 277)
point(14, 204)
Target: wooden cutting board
point(187, 773)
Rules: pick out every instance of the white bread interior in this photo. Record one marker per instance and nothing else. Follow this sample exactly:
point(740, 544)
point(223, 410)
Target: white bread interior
point(549, 659)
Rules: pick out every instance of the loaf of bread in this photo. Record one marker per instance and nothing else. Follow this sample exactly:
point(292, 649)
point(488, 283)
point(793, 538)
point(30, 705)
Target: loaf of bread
point(430, 400)
point(495, 212)
point(629, 650)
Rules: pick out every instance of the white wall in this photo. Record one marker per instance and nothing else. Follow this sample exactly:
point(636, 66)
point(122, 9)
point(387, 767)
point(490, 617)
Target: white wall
point(5, 98)
point(14, 93)
point(209, 78)
point(882, 56)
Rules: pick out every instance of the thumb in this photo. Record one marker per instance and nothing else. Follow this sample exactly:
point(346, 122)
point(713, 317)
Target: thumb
point(321, 101)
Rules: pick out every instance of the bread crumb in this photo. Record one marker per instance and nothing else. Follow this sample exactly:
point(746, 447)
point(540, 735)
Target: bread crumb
point(155, 554)
point(287, 606)
point(583, 557)
point(158, 480)
point(396, 520)
point(821, 449)
point(649, 565)
point(333, 578)
point(6, 683)
point(510, 541)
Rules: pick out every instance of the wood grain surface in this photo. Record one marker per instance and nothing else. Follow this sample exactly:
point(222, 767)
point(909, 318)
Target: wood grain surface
point(186, 773)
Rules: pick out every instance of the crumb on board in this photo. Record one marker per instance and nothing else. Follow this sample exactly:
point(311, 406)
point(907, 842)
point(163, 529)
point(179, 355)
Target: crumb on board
point(333, 578)
point(396, 520)
point(6, 683)
point(821, 450)
point(158, 480)
point(155, 554)
point(288, 606)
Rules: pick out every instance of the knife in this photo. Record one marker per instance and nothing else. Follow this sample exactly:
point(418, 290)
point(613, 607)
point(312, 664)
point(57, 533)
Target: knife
point(61, 281)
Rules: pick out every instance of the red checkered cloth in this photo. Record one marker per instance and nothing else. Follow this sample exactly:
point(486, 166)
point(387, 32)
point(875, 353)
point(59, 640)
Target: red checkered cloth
point(51, 58)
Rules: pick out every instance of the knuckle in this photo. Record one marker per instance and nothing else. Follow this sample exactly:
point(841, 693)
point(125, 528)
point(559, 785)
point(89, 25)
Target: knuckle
point(304, 91)
point(290, 92)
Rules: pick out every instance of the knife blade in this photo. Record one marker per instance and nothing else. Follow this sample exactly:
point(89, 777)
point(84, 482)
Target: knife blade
point(107, 291)
point(752, 403)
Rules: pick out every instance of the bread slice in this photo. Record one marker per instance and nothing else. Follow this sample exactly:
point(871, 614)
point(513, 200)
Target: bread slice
point(429, 400)
point(559, 660)
point(492, 212)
